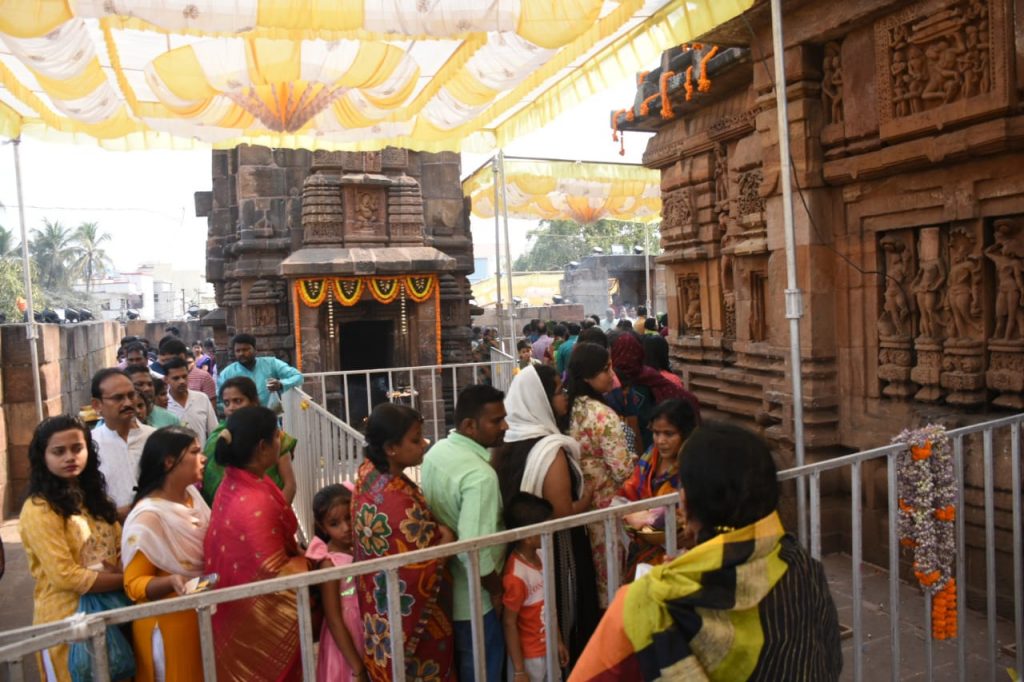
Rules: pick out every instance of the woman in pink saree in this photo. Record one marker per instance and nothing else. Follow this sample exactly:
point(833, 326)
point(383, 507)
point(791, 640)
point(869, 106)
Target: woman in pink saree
point(252, 537)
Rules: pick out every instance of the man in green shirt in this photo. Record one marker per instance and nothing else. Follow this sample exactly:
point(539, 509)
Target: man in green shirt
point(142, 380)
point(461, 488)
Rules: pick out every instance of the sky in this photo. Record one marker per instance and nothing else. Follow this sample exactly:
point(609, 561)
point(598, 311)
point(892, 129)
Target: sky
point(144, 200)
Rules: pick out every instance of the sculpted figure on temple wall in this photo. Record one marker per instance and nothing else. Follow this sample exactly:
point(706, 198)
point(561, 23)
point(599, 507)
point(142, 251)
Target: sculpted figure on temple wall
point(832, 84)
point(721, 178)
point(895, 319)
point(1007, 253)
point(964, 293)
point(927, 284)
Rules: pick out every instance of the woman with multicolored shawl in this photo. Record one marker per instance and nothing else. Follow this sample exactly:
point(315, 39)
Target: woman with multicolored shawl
point(390, 516)
point(656, 474)
point(747, 603)
point(252, 537)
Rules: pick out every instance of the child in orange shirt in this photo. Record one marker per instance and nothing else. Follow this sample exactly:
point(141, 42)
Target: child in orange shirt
point(523, 582)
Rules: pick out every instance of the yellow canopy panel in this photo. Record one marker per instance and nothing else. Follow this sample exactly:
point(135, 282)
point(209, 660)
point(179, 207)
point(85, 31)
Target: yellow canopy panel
point(534, 288)
point(566, 190)
point(431, 75)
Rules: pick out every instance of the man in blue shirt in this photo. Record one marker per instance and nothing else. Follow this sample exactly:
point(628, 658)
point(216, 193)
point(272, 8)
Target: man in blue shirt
point(268, 373)
point(565, 350)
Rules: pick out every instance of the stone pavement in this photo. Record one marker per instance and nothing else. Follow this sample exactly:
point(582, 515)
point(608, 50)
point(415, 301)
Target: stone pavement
point(16, 611)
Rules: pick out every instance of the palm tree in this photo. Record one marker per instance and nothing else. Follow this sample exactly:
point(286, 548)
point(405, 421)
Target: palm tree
point(54, 252)
point(8, 249)
point(92, 260)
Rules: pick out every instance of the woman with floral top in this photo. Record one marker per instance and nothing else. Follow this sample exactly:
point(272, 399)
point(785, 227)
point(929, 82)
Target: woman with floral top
point(390, 516)
point(69, 528)
point(604, 454)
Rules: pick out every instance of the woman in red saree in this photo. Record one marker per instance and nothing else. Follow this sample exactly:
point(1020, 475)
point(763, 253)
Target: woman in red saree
point(390, 516)
point(252, 537)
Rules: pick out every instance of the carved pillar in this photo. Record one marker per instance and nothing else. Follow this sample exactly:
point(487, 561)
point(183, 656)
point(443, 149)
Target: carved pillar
point(322, 212)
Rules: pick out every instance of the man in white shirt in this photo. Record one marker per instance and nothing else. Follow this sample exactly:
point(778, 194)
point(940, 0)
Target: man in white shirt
point(120, 437)
point(193, 408)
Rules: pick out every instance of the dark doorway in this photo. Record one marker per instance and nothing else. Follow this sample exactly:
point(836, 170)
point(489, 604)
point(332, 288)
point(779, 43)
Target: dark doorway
point(365, 345)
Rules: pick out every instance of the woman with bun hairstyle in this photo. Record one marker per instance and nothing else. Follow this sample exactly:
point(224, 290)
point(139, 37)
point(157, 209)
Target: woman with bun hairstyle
point(391, 516)
point(252, 537)
point(162, 549)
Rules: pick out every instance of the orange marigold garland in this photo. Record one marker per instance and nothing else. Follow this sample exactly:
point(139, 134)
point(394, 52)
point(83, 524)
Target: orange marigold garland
point(384, 289)
point(313, 292)
point(926, 487)
point(666, 103)
point(688, 83)
point(703, 84)
point(420, 287)
point(298, 326)
point(348, 290)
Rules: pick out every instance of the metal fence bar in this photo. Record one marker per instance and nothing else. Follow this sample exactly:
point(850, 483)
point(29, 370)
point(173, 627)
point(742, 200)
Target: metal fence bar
point(816, 515)
point(961, 561)
point(206, 643)
point(412, 390)
point(98, 644)
point(16, 672)
point(433, 399)
point(305, 634)
point(323, 389)
point(894, 567)
point(396, 632)
point(551, 616)
point(611, 556)
point(369, 395)
point(476, 617)
point(1018, 548)
point(929, 655)
point(671, 534)
point(990, 552)
point(856, 540)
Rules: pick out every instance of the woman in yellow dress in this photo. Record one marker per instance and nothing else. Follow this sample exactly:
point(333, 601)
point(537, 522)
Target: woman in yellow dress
point(162, 548)
point(69, 529)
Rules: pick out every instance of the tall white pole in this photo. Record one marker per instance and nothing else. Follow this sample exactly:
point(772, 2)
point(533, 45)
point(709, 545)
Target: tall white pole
point(647, 266)
point(794, 297)
point(496, 170)
point(508, 259)
point(30, 324)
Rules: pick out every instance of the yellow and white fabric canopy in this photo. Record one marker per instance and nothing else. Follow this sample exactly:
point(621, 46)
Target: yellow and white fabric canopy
point(566, 190)
point(429, 75)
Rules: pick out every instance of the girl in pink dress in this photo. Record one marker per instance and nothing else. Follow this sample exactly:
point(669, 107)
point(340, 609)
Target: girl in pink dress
point(341, 643)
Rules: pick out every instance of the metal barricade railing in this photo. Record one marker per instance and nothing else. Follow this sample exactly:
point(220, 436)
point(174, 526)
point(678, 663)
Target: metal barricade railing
point(16, 644)
point(328, 451)
point(431, 389)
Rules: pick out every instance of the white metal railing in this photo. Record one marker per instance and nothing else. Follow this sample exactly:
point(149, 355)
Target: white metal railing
point(328, 451)
point(18, 643)
point(428, 388)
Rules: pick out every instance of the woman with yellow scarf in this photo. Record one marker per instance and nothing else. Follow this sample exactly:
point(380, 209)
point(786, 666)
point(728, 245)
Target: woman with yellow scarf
point(747, 603)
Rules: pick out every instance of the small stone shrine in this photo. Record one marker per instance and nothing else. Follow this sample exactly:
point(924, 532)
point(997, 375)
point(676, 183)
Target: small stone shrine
point(906, 132)
point(341, 260)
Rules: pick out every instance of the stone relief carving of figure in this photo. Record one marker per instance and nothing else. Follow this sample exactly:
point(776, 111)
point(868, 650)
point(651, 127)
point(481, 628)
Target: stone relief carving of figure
point(963, 297)
point(693, 317)
point(900, 80)
point(917, 75)
point(832, 84)
point(366, 206)
point(927, 284)
point(944, 77)
point(1007, 253)
point(721, 177)
point(895, 319)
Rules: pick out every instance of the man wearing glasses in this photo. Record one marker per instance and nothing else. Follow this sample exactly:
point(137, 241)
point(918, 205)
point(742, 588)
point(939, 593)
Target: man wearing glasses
point(119, 438)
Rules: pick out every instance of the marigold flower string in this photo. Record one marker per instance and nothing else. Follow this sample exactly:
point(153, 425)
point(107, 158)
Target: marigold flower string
point(926, 492)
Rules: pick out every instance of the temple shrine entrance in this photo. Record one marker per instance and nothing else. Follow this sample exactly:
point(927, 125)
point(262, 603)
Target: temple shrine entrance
point(363, 345)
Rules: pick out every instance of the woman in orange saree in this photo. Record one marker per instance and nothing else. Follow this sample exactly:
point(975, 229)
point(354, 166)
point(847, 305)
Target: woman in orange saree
point(252, 537)
point(390, 516)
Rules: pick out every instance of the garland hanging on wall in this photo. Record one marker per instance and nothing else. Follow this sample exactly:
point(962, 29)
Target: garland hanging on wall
point(348, 290)
point(926, 490)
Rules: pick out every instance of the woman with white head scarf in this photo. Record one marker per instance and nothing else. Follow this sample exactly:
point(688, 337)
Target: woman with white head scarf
point(538, 458)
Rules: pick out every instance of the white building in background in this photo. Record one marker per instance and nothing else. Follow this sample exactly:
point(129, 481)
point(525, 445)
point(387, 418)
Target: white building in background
point(120, 294)
point(184, 289)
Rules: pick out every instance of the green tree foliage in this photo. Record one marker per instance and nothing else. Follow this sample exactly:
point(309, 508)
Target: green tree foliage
point(554, 243)
point(8, 248)
point(12, 286)
point(91, 259)
point(54, 251)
